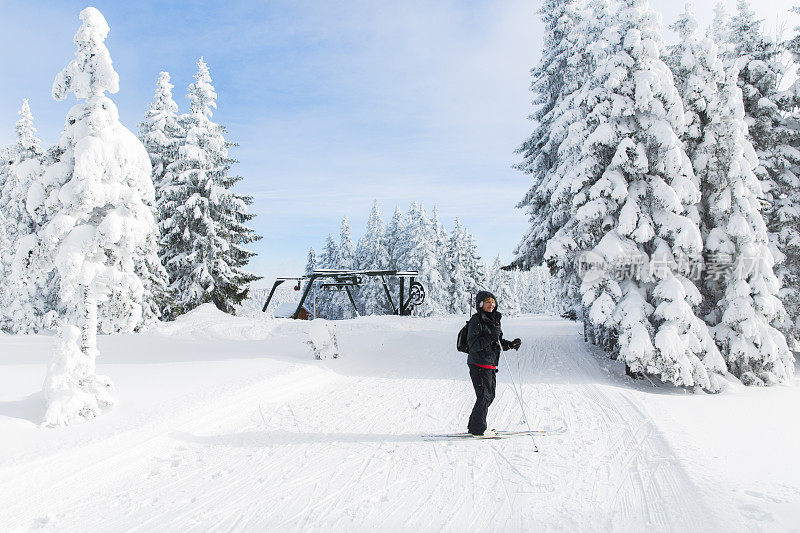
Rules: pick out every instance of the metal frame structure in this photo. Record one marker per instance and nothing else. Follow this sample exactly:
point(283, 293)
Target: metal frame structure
point(345, 279)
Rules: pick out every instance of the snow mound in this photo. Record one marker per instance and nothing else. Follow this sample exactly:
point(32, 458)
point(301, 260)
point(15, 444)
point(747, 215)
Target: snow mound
point(208, 322)
point(322, 337)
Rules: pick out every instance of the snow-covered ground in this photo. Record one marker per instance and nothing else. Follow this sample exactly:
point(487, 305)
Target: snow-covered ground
point(229, 423)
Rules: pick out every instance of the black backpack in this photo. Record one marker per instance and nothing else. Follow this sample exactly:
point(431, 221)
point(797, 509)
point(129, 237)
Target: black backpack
point(461, 342)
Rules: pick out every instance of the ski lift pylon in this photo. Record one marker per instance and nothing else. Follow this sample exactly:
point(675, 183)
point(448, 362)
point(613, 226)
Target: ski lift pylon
point(342, 278)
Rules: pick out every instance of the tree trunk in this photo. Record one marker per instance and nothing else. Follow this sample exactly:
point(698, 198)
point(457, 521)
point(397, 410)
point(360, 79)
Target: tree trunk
point(88, 313)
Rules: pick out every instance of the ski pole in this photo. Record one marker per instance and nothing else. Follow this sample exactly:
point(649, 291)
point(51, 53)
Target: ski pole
point(521, 404)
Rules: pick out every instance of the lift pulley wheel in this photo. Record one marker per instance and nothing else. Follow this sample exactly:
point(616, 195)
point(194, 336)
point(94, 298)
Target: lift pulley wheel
point(416, 294)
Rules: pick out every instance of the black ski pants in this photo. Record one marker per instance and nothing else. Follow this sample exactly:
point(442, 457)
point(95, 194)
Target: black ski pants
point(484, 380)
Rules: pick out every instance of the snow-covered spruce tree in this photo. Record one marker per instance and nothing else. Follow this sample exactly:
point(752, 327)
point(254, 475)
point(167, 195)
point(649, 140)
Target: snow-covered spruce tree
point(205, 233)
point(567, 185)
point(6, 321)
point(641, 193)
point(95, 196)
point(775, 127)
point(539, 291)
point(521, 284)
point(698, 73)
point(419, 253)
point(760, 70)
point(758, 59)
point(158, 135)
point(311, 266)
point(719, 31)
point(393, 238)
point(500, 284)
point(311, 261)
point(22, 306)
point(556, 81)
point(394, 235)
point(785, 222)
point(587, 152)
point(475, 267)
point(345, 259)
point(460, 285)
point(161, 134)
point(746, 303)
point(442, 244)
point(699, 76)
point(371, 254)
point(466, 273)
point(774, 134)
point(325, 297)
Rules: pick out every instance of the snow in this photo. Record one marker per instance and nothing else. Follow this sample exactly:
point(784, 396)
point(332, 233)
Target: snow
point(284, 310)
point(90, 73)
point(322, 338)
point(206, 322)
point(229, 423)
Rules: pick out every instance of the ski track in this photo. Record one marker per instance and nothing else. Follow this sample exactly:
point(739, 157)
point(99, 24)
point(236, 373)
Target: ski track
point(336, 452)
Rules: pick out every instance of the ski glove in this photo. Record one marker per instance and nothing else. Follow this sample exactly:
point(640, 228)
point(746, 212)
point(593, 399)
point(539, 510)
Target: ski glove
point(515, 344)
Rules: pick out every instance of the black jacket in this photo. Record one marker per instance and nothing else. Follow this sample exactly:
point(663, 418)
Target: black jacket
point(485, 338)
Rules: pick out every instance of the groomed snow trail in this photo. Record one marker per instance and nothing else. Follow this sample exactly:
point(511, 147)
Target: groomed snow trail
point(337, 446)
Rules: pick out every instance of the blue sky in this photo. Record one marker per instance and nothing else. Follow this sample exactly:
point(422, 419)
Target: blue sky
point(333, 104)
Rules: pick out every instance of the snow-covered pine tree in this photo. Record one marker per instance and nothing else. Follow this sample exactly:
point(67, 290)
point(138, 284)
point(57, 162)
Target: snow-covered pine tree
point(205, 234)
point(325, 298)
point(115, 312)
point(567, 186)
point(698, 73)
point(785, 222)
point(642, 188)
point(22, 305)
point(346, 251)
point(6, 321)
point(522, 281)
point(419, 253)
point(311, 261)
point(557, 79)
point(499, 283)
point(773, 133)
point(539, 291)
point(161, 134)
point(345, 259)
point(371, 254)
point(442, 248)
point(746, 306)
point(460, 288)
point(475, 267)
point(124, 310)
point(467, 273)
point(760, 70)
point(393, 237)
point(95, 197)
point(4, 163)
point(719, 32)
point(311, 266)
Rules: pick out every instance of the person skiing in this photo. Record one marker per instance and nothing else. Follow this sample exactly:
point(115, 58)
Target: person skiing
point(485, 340)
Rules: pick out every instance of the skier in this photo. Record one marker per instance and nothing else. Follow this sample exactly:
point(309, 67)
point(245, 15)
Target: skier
point(485, 340)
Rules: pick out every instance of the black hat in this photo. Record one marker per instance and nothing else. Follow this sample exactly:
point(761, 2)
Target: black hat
point(481, 296)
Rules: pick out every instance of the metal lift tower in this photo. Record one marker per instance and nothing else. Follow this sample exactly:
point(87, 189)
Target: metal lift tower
point(332, 279)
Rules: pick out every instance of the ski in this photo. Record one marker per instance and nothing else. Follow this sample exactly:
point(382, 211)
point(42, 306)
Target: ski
point(498, 434)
